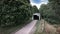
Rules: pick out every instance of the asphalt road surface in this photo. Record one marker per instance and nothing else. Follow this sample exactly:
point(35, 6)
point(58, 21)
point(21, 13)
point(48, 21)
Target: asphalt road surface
point(28, 28)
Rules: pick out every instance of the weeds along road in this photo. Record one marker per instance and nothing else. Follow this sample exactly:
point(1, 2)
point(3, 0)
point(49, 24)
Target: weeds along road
point(27, 28)
point(49, 29)
point(45, 28)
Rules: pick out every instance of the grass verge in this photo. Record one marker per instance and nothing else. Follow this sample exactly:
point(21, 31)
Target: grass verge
point(37, 27)
point(40, 27)
point(13, 29)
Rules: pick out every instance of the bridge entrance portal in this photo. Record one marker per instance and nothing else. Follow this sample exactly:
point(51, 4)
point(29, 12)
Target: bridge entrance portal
point(36, 17)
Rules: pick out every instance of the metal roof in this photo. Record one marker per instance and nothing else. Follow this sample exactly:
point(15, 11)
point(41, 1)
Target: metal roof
point(38, 14)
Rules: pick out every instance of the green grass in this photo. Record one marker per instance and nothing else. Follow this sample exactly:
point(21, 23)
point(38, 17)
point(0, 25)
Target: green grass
point(12, 29)
point(37, 28)
point(9, 30)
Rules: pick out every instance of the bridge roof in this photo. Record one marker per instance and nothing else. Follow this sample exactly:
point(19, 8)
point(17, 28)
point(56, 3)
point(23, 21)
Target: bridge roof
point(38, 14)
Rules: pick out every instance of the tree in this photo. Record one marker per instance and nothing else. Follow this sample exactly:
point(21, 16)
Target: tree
point(55, 4)
point(49, 14)
point(14, 12)
point(35, 9)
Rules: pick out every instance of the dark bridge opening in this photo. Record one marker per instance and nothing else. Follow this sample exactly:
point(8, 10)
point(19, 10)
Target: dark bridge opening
point(36, 17)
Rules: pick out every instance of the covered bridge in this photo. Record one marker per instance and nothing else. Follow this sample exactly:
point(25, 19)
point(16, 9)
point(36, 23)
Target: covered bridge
point(36, 16)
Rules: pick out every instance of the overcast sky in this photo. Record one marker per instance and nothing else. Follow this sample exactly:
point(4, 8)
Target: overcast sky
point(38, 2)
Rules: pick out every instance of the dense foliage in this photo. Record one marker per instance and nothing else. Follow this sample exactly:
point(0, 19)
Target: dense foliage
point(14, 12)
point(51, 11)
point(35, 9)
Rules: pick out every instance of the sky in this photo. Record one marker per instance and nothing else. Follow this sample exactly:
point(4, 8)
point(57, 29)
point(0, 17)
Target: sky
point(38, 3)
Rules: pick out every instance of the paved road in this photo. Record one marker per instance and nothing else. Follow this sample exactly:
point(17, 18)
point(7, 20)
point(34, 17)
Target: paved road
point(27, 28)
